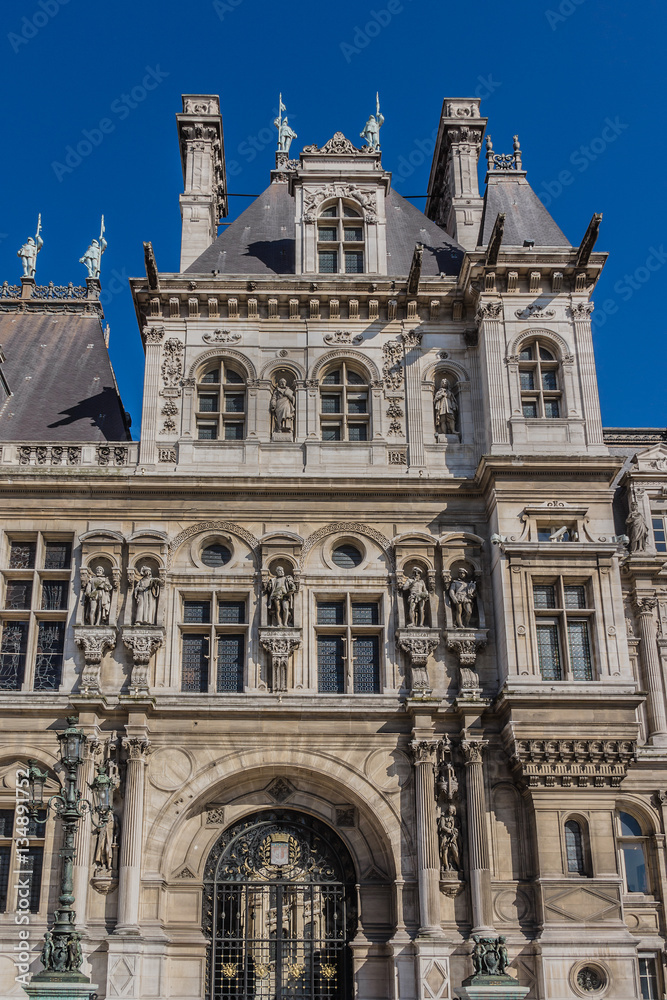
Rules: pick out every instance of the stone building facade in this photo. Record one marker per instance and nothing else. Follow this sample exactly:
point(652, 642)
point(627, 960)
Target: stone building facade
point(372, 618)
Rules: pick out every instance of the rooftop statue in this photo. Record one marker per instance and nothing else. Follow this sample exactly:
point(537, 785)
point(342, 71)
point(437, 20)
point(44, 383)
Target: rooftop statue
point(285, 132)
point(92, 258)
point(371, 132)
point(29, 250)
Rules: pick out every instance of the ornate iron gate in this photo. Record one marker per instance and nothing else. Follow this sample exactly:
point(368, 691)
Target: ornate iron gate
point(279, 909)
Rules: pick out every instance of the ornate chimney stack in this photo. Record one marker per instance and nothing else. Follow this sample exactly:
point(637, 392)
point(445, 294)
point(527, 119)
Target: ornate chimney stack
point(454, 201)
point(204, 201)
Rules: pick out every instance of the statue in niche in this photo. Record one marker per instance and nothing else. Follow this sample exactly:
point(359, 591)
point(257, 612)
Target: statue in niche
point(637, 528)
point(449, 840)
point(417, 598)
point(146, 593)
point(97, 597)
point(104, 845)
point(446, 408)
point(463, 594)
point(283, 407)
point(281, 590)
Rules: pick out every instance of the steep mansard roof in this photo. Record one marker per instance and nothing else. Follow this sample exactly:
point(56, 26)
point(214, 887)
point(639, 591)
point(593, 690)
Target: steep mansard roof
point(60, 377)
point(526, 218)
point(261, 241)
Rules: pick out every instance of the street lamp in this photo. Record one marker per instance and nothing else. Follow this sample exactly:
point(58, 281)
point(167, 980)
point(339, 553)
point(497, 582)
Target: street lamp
point(61, 955)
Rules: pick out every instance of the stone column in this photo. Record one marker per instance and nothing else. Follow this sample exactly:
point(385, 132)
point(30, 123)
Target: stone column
point(84, 835)
point(129, 868)
point(428, 861)
point(655, 703)
point(413, 397)
point(590, 399)
point(478, 845)
point(148, 447)
point(488, 317)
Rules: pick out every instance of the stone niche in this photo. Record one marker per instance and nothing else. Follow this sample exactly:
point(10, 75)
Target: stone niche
point(95, 631)
point(143, 632)
point(280, 632)
point(465, 622)
point(417, 634)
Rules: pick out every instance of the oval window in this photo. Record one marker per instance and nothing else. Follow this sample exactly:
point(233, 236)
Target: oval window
point(215, 555)
point(346, 556)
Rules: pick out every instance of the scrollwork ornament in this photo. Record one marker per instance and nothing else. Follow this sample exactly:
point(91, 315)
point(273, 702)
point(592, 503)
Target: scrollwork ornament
point(424, 751)
point(489, 310)
point(473, 751)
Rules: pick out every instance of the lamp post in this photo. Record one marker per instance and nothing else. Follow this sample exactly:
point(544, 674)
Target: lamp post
point(61, 955)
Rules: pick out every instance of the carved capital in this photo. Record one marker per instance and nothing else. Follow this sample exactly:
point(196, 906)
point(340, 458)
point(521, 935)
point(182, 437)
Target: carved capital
point(280, 643)
point(411, 338)
point(154, 334)
point(424, 751)
point(466, 643)
point(645, 605)
point(582, 310)
point(137, 747)
point(489, 310)
point(473, 751)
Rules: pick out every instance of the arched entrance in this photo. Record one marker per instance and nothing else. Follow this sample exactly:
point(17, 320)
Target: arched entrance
point(279, 910)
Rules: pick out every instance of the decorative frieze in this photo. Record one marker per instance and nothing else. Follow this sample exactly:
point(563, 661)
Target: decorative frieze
point(572, 763)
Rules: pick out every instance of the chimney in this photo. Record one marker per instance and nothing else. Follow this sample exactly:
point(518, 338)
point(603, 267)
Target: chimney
point(204, 201)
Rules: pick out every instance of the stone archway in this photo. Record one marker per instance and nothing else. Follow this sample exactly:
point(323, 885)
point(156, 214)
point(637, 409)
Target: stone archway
point(279, 910)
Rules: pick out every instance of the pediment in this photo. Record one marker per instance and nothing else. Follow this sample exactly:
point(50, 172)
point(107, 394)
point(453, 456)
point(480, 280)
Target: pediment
point(652, 460)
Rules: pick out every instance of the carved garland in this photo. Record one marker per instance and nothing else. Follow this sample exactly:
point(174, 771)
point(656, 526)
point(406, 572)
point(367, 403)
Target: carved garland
point(342, 527)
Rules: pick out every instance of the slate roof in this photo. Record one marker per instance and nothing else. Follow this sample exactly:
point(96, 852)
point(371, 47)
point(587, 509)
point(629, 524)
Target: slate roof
point(261, 241)
point(526, 218)
point(60, 376)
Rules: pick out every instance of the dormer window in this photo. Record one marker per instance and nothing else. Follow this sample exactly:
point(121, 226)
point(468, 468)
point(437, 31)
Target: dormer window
point(538, 376)
point(340, 240)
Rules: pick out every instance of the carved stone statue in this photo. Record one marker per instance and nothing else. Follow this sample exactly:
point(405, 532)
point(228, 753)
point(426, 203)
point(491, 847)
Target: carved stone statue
point(371, 132)
point(281, 590)
point(104, 845)
point(97, 595)
point(282, 407)
point(417, 597)
point(146, 593)
point(462, 594)
point(285, 135)
point(446, 407)
point(449, 840)
point(29, 250)
point(637, 529)
point(92, 258)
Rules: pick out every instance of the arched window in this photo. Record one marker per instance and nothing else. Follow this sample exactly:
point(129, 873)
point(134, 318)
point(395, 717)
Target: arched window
point(221, 403)
point(538, 377)
point(574, 847)
point(344, 409)
point(340, 240)
point(632, 843)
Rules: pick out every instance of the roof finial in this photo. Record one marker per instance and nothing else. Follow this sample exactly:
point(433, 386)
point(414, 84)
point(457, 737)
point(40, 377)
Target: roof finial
point(30, 249)
point(371, 132)
point(503, 161)
point(285, 132)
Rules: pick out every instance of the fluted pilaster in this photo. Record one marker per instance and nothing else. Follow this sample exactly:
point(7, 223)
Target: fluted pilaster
point(655, 702)
point(428, 863)
point(129, 869)
point(478, 844)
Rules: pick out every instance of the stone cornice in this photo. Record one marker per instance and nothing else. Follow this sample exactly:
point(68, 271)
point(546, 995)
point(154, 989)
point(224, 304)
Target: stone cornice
point(571, 763)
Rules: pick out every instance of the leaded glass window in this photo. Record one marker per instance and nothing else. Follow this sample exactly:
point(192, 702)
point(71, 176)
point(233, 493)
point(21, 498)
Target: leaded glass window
point(31, 870)
point(22, 555)
point(49, 658)
point(18, 596)
point(348, 646)
point(563, 621)
point(195, 663)
point(574, 844)
point(344, 405)
point(538, 381)
point(340, 241)
point(13, 654)
point(214, 627)
point(221, 404)
point(230, 662)
point(57, 555)
point(54, 595)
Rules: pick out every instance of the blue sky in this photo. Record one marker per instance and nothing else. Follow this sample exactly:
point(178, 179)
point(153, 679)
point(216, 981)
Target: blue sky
point(580, 81)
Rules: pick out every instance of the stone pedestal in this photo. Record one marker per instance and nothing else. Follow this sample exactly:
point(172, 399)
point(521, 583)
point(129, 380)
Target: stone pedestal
point(491, 988)
point(418, 643)
point(280, 642)
point(51, 989)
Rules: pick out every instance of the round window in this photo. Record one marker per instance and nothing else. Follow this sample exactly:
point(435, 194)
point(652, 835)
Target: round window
point(216, 555)
point(346, 556)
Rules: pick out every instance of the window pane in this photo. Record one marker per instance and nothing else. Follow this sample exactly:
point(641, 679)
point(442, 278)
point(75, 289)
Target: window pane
point(32, 870)
point(353, 235)
point(648, 978)
point(330, 612)
point(328, 262)
point(526, 354)
point(545, 355)
point(575, 597)
point(54, 595)
point(22, 555)
point(326, 235)
point(19, 595)
point(195, 663)
point(216, 555)
point(234, 402)
point(575, 848)
point(629, 825)
point(365, 614)
point(549, 380)
point(330, 403)
point(331, 378)
point(210, 378)
point(197, 612)
point(230, 662)
point(233, 431)
point(548, 651)
point(635, 868)
point(330, 664)
point(350, 213)
point(330, 213)
point(233, 377)
point(357, 402)
point(544, 595)
point(357, 432)
point(527, 380)
point(346, 556)
point(354, 262)
point(207, 432)
point(49, 658)
point(231, 612)
point(551, 409)
point(58, 555)
point(12, 655)
point(208, 403)
point(366, 664)
point(7, 823)
point(330, 432)
point(580, 651)
point(529, 410)
point(659, 534)
point(354, 378)
point(5, 852)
